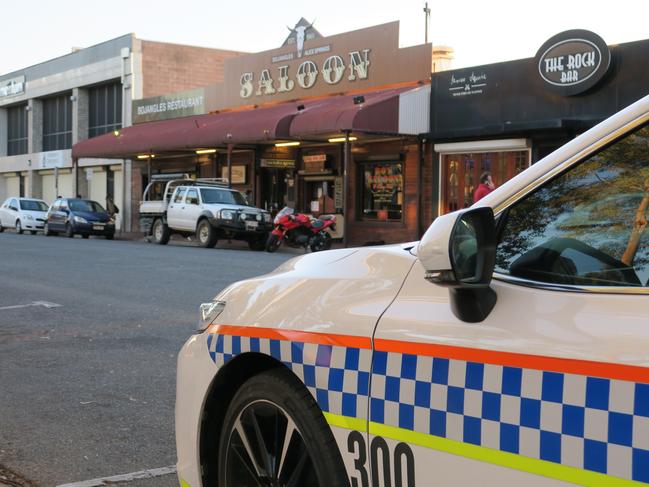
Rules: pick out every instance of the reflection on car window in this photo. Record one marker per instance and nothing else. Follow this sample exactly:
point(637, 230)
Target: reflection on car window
point(221, 196)
point(86, 205)
point(192, 197)
point(179, 195)
point(33, 205)
point(586, 227)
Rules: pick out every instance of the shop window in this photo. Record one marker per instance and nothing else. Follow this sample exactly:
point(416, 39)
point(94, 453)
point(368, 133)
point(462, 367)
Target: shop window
point(381, 191)
point(57, 123)
point(104, 109)
point(462, 173)
point(17, 130)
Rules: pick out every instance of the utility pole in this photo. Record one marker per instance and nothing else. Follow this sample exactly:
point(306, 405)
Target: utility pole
point(427, 20)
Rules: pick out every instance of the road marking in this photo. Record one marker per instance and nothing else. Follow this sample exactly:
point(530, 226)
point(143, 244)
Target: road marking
point(45, 304)
point(127, 477)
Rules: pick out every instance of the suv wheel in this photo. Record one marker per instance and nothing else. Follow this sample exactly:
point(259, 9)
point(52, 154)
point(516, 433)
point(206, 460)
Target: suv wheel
point(257, 243)
point(205, 234)
point(160, 232)
point(274, 434)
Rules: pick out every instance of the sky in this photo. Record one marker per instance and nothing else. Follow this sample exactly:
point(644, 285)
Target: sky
point(480, 32)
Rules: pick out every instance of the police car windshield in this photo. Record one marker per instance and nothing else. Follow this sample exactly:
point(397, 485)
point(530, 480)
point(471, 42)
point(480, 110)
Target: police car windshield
point(31, 205)
point(86, 205)
point(221, 196)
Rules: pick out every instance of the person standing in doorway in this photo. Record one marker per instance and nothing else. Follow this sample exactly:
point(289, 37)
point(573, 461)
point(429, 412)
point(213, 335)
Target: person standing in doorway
point(111, 207)
point(485, 187)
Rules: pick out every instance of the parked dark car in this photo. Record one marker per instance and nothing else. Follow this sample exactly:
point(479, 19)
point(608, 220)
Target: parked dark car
point(73, 216)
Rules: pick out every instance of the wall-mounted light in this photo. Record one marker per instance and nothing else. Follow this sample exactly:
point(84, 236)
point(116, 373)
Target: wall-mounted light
point(28, 108)
point(116, 133)
point(342, 139)
point(287, 144)
point(73, 98)
point(205, 151)
point(146, 156)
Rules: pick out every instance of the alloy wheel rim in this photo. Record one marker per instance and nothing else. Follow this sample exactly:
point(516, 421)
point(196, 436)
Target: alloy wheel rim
point(203, 234)
point(266, 449)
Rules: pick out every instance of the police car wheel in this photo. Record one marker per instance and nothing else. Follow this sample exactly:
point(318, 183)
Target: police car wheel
point(274, 435)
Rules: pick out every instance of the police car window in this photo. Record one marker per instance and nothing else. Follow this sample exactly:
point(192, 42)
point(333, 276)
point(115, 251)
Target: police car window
point(588, 226)
point(179, 195)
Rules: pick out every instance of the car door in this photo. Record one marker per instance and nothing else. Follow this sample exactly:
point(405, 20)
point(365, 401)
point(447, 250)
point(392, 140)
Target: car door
point(192, 209)
point(175, 208)
point(552, 388)
point(12, 213)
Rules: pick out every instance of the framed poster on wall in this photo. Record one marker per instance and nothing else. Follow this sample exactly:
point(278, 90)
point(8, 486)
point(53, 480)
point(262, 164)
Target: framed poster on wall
point(238, 174)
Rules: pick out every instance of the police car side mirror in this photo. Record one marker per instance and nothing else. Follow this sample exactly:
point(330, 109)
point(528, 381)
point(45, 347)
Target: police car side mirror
point(458, 251)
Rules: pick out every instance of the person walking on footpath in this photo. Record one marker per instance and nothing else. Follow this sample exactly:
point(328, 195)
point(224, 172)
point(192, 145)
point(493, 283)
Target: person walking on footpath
point(485, 187)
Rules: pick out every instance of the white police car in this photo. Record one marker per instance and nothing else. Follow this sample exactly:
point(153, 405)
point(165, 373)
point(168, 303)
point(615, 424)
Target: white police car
point(498, 351)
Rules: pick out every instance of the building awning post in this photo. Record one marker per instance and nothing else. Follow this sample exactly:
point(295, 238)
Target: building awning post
point(346, 148)
point(230, 147)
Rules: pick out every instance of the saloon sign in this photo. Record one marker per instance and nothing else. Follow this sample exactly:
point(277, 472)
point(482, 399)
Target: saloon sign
point(573, 61)
point(306, 76)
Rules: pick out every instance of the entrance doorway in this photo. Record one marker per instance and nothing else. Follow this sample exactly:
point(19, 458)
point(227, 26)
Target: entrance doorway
point(461, 174)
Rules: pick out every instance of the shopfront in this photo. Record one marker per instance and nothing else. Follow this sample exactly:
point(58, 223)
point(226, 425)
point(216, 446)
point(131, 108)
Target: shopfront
point(322, 124)
point(503, 117)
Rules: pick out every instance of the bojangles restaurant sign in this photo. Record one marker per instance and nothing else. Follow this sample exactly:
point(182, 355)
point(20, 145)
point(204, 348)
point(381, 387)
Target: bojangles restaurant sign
point(308, 64)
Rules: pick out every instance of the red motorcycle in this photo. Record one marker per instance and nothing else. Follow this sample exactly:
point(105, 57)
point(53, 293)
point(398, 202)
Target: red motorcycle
point(299, 230)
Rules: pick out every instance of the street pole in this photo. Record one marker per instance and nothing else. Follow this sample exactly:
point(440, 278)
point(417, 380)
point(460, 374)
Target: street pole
point(426, 20)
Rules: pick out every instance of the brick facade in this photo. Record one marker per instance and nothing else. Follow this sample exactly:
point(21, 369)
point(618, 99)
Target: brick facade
point(167, 68)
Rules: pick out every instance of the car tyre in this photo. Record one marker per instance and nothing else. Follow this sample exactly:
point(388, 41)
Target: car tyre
point(160, 232)
point(19, 227)
point(206, 234)
point(278, 405)
point(257, 244)
point(322, 242)
point(2, 229)
point(110, 236)
point(46, 230)
point(33, 232)
point(273, 243)
point(69, 231)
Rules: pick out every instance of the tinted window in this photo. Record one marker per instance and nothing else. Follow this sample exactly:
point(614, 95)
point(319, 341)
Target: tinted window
point(32, 205)
point(86, 205)
point(587, 226)
point(222, 196)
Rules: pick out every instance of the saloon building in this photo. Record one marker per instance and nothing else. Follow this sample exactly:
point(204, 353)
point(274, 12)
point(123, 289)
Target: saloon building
point(323, 124)
point(46, 108)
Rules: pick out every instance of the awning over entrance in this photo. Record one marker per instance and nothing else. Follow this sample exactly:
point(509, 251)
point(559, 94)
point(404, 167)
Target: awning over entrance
point(372, 113)
point(190, 133)
point(376, 112)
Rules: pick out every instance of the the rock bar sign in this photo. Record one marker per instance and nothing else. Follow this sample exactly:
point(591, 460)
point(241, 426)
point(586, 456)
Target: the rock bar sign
point(333, 71)
point(573, 61)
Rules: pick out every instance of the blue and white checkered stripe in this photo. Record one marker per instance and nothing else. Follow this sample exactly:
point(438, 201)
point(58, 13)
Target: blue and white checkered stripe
point(590, 423)
point(337, 377)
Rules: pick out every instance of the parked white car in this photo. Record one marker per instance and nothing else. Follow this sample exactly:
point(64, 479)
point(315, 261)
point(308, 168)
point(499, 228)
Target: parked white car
point(510, 347)
point(23, 214)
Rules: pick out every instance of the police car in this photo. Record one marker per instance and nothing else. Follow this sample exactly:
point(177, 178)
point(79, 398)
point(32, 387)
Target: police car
point(509, 347)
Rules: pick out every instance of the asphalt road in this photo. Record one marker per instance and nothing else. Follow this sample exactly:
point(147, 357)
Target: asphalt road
point(87, 388)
